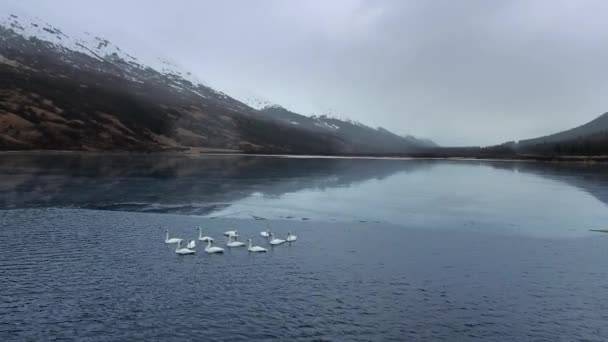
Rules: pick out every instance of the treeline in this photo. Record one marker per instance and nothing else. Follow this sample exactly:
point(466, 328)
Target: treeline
point(592, 145)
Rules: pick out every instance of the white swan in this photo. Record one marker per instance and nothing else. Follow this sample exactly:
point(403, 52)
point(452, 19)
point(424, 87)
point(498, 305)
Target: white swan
point(231, 233)
point(255, 248)
point(291, 237)
point(265, 233)
point(210, 249)
point(171, 240)
point(183, 251)
point(234, 243)
point(191, 244)
point(274, 241)
point(203, 238)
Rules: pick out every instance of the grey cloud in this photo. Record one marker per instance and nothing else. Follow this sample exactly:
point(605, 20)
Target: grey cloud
point(459, 72)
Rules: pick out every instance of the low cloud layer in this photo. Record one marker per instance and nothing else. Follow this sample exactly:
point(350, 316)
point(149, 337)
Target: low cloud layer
point(459, 72)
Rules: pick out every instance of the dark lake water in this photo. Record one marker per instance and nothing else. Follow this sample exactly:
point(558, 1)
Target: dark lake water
point(399, 250)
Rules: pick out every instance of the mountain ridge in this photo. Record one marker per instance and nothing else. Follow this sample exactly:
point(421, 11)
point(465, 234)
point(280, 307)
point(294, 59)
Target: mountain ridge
point(62, 92)
point(595, 126)
point(359, 134)
point(589, 139)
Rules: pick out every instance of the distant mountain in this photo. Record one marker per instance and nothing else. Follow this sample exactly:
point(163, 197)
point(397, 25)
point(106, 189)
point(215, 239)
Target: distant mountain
point(427, 143)
point(81, 92)
point(588, 139)
point(594, 127)
point(357, 135)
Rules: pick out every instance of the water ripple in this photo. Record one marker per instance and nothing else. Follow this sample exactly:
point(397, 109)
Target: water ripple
point(92, 275)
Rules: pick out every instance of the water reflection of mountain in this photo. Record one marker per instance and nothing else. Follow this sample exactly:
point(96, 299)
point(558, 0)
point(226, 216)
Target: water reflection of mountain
point(591, 178)
point(177, 184)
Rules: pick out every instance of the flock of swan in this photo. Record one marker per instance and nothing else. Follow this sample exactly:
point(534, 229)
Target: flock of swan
point(232, 235)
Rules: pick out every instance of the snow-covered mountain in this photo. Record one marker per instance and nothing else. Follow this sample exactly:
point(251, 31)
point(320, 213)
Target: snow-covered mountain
point(65, 90)
point(258, 102)
point(91, 45)
point(133, 68)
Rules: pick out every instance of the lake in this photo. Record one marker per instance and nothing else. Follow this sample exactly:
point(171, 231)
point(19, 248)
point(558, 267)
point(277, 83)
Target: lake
point(443, 250)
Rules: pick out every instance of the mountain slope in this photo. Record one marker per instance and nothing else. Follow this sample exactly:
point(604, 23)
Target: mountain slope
point(359, 136)
point(596, 126)
point(588, 139)
point(61, 91)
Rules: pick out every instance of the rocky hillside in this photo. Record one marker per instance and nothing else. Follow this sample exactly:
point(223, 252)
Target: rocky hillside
point(81, 92)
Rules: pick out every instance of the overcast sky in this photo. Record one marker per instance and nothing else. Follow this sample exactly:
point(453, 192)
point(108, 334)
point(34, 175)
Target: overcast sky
point(458, 72)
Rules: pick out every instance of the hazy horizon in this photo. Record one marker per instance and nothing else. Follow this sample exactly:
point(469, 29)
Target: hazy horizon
point(459, 73)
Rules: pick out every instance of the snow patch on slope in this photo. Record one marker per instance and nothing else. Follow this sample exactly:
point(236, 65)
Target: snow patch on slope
point(91, 45)
point(258, 102)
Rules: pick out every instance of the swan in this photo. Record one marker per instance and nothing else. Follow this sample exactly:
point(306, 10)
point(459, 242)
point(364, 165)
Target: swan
point(203, 238)
point(210, 249)
point(291, 237)
point(231, 233)
point(191, 244)
point(183, 251)
point(234, 243)
point(265, 233)
point(275, 241)
point(171, 240)
point(255, 248)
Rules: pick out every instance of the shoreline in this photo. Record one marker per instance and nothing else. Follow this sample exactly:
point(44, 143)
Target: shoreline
point(429, 156)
